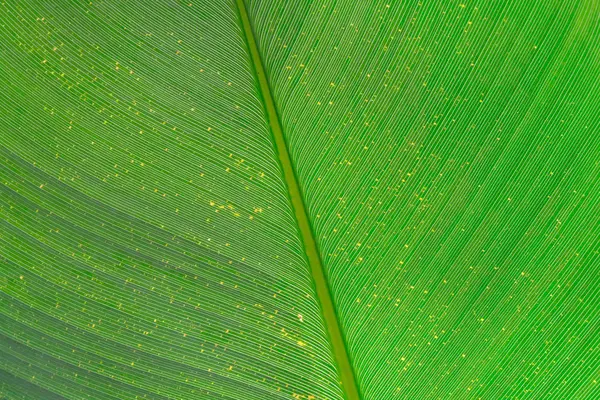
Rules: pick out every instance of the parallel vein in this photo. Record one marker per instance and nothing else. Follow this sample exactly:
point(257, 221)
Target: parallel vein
point(337, 340)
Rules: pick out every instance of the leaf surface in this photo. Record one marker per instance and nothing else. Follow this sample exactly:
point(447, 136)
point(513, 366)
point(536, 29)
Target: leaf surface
point(452, 181)
point(148, 245)
point(299, 200)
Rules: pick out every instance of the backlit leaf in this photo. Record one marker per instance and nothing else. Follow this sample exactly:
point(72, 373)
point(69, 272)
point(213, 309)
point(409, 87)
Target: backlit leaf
point(328, 199)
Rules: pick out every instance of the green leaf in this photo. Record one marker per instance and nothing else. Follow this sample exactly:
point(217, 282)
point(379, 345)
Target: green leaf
point(302, 199)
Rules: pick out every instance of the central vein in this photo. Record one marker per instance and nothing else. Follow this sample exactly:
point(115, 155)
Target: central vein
point(339, 349)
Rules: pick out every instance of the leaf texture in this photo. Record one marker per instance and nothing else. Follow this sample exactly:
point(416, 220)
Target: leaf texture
point(452, 179)
point(148, 245)
point(448, 159)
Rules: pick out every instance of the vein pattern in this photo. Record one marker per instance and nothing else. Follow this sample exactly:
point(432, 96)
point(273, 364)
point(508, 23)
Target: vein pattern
point(148, 249)
point(449, 157)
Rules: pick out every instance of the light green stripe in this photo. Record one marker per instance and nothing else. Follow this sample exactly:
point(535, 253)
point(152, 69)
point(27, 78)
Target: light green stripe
point(339, 349)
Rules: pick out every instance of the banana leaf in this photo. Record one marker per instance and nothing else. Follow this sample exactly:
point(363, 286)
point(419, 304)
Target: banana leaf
point(304, 199)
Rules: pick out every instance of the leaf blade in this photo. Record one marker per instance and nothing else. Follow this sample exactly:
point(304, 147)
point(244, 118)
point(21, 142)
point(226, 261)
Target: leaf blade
point(437, 131)
point(144, 217)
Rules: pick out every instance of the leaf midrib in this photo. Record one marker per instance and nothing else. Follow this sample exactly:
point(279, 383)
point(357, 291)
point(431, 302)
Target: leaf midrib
point(340, 353)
